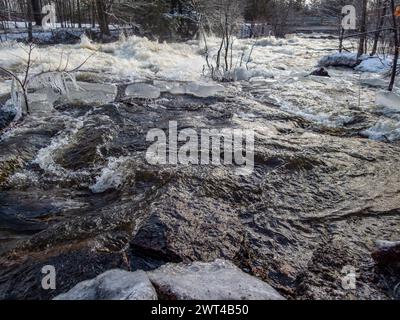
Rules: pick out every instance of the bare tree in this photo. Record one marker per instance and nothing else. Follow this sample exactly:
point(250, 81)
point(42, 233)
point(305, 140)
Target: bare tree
point(24, 82)
point(396, 45)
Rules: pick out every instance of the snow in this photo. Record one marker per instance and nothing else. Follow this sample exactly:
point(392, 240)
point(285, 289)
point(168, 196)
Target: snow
point(374, 65)
point(370, 64)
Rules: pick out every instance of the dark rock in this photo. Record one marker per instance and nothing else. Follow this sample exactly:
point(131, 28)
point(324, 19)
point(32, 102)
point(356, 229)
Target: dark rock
point(321, 72)
point(387, 253)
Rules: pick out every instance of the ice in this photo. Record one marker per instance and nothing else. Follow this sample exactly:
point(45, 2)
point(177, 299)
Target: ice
point(203, 90)
point(143, 90)
point(197, 89)
point(89, 93)
point(344, 59)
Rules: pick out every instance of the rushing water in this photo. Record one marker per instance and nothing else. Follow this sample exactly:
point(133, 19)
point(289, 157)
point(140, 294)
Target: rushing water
point(77, 192)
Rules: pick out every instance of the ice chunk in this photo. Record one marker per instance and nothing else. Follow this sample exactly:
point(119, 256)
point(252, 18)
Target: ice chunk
point(90, 93)
point(143, 90)
point(203, 90)
point(344, 59)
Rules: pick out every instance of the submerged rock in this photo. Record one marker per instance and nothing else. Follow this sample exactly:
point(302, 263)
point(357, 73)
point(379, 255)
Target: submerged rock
point(219, 280)
point(113, 285)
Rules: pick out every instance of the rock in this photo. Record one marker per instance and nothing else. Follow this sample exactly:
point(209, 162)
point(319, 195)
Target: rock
point(6, 117)
point(387, 252)
point(113, 285)
point(219, 280)
point(143, 91)
point(321, 72)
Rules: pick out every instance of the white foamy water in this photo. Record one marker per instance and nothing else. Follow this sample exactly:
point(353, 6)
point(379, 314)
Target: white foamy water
point(112, 176)
point(277, 72)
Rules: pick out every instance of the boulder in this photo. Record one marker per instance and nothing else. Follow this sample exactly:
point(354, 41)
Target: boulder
point(219, 280)
point(113, 285)
point(386, 252)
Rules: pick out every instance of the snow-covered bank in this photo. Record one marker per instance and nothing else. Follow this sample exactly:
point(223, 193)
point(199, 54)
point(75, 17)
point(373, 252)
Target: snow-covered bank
point(365, 63)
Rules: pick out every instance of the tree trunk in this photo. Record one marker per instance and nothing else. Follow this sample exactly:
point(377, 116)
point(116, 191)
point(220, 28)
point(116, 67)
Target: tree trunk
point(37, 12)
point(396, 46)
point(363, 29)
point(379, 26)
point(102, 18)
point(29, 18)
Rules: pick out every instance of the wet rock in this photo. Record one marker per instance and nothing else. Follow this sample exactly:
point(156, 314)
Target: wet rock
point(321, 72)
point(219, 280)
point(113, 285)
point(6, 117)
point(387, 252)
